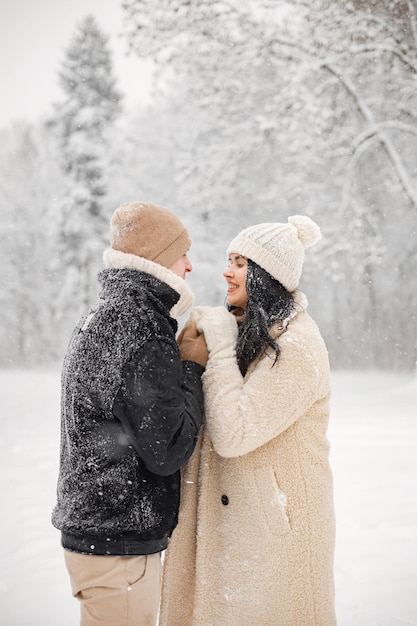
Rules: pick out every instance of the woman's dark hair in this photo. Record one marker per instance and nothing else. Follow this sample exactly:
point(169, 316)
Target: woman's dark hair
point(268, 302)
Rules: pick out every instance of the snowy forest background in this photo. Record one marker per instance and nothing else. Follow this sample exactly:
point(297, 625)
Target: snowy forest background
point(261, 109)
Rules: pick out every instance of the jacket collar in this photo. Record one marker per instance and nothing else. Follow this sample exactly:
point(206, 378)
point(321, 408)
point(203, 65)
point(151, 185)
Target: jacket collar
point(300, 304)
point(114, 259)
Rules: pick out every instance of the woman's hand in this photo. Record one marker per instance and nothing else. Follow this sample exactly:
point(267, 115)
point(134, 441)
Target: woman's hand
point(220, 331)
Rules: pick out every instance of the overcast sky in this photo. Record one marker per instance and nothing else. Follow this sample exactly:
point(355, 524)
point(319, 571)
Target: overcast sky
point(33, 37)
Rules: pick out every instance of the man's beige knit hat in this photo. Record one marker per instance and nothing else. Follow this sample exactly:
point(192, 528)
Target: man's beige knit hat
point(278, 248)
point(149, 231)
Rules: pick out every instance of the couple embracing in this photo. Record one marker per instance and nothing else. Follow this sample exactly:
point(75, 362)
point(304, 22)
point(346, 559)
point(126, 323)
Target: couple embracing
point(209, 447)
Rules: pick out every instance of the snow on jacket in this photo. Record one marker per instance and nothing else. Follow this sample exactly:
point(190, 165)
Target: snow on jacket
point(131, 414)
point(255, 539)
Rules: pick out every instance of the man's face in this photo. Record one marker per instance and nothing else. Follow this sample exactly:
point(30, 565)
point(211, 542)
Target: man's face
point(182, 266)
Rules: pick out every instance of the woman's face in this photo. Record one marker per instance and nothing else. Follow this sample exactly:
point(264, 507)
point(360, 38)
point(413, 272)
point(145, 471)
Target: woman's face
point(235, 276)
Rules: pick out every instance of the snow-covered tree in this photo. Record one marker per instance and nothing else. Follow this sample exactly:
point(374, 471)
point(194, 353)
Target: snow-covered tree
point(301, 107)
point(265, 109)
point(30, 181)
point(83, 121)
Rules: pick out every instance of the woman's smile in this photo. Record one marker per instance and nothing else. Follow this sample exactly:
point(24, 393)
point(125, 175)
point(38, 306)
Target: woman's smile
point(235, 276)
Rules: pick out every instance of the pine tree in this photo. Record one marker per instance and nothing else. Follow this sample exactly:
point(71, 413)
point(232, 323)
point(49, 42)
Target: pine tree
point(83, 119)
point(30, 179)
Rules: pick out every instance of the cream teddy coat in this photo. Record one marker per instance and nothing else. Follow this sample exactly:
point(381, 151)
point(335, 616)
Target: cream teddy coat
point(255, 541)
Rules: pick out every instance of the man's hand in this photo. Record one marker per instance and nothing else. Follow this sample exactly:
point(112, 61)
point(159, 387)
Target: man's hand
point(192, 345)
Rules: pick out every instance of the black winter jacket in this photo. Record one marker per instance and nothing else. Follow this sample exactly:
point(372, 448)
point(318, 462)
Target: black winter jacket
point(131, 413)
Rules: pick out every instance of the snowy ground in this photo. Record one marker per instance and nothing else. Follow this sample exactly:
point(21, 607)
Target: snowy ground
point(374, 457)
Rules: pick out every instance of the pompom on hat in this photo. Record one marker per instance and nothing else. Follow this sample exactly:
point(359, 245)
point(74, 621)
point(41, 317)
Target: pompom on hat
point(149, 231)
point(278, 248)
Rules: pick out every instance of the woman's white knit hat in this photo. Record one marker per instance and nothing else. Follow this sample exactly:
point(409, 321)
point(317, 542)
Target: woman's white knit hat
point(278, 248)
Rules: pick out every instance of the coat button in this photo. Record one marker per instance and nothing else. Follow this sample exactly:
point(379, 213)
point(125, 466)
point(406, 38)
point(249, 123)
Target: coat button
point(225, 500)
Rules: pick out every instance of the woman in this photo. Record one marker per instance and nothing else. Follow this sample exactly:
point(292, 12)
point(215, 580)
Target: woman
point(255, 540)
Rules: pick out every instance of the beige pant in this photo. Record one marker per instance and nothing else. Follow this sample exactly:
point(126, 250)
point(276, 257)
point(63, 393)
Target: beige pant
point(116, 590)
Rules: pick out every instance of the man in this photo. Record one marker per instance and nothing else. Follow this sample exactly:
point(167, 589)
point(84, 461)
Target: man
point(132, 408)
